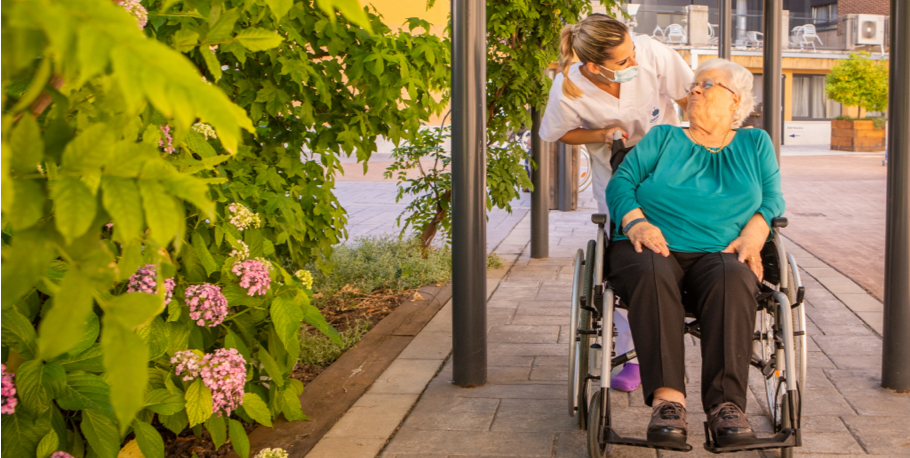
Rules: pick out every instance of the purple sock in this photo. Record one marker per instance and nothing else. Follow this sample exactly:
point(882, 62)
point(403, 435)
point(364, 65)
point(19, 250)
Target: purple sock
point(627, 379)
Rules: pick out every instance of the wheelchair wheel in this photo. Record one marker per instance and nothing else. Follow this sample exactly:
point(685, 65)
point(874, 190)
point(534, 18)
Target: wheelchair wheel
point(585, 323)
point(595, 428)
point(572, 383)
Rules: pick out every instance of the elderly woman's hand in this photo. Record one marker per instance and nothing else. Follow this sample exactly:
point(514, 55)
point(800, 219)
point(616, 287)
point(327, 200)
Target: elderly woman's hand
point(647, 235)
point(749, 244)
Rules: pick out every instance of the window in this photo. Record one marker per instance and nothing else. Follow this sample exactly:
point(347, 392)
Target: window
point(825, 12)
point(809, 99)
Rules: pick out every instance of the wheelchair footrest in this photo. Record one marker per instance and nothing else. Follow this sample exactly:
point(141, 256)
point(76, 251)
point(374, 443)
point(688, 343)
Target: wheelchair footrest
point(611, 437)
point(786, 438)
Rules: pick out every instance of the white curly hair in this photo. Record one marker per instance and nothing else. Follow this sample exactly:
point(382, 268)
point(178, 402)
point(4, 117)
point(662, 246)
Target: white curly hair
point(741, 82)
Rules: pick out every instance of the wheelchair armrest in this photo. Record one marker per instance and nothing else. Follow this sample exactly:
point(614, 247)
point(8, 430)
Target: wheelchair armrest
point(599, 219)
point(778, 222)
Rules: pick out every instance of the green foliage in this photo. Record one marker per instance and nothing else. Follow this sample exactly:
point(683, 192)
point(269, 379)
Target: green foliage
point(367, 264)
point(118, 154)
point(522, 41)
point(317, 350)
point(859, 81)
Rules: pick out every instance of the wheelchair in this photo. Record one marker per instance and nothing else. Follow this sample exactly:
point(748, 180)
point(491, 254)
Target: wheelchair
point(779, 348)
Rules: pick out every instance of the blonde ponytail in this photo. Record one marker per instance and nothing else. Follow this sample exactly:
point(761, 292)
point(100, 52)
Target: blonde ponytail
point(591, 40)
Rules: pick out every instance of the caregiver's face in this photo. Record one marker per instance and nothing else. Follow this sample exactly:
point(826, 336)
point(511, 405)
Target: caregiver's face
point(621, 57)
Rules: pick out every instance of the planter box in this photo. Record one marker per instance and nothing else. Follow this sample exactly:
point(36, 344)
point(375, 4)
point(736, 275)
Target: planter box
point(857, 136)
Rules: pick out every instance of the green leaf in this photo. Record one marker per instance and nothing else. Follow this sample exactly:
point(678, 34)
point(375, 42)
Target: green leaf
point(18, 333)
point(135, 309)
point(223, 27)
point(351, 9)
point(31, 390)
point(202, 251)
point(185, 40)
point(28, 207)
point(90, 150)
point(30, 252)
point(256, 39)
point(160, 211)
point(198, 402)
point(239, 439)
point(125, 359)
point(232, 340)
point(162, 401)
point(89, 360)
point(89, 335)
point(74, 206)
point(48, 445)
point(280, 7)
point(216, 427)
point(175, 423)
point(26, 145)
point(86, 391)
point(154, 335)
point(64, 325)
point(253, 238)
point(211, 62)
point(101, 433)
point(286, 317)
point(289, 402)
point(192, 190)
point(257, 409)
point(312, 317)
point(7, 190)
point(148, 438)
point(121, 199)
point(23, 435)
point(271, 367)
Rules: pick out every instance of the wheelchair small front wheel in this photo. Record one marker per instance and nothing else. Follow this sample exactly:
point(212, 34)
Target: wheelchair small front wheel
point(596, 449)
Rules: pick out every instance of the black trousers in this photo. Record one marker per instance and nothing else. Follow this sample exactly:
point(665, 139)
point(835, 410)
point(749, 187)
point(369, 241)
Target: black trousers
point(718, 289)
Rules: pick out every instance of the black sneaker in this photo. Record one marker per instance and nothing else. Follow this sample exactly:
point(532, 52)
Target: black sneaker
point(668, 425)
point(729, 425)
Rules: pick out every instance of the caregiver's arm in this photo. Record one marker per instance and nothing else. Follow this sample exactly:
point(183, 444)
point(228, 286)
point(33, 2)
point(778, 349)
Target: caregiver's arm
point(581, 136)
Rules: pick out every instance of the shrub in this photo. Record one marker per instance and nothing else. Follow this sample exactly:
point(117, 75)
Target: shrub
point(859, 81)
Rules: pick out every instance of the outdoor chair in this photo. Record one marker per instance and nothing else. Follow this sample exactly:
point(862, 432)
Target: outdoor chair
point(675, 34)
point(755, 39)
point(805, 35)
point(779, 346)
point(658, 34)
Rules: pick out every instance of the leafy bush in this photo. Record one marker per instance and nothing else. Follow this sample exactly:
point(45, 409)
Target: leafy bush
point(368, 264)
point(141, 225)
point(317, 350)
point(859, 81)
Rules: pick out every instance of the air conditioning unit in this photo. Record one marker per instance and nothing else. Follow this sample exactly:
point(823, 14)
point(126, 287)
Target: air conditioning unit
point(870, 29)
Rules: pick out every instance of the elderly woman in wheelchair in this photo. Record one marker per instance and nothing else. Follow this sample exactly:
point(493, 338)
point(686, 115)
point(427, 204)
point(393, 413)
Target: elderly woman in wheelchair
point(694, 209)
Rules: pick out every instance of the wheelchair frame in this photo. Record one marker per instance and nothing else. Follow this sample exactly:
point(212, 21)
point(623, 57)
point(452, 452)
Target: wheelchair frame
point(779, 335)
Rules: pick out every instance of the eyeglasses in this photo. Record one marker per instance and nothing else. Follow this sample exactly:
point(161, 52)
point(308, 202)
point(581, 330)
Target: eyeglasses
point(706, 84)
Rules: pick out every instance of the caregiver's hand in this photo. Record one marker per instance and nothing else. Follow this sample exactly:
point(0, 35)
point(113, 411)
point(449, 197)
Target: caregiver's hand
point(647, 235)
point(608, 135)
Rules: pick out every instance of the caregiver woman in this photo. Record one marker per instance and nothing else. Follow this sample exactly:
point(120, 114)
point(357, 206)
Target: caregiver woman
point(620, 83)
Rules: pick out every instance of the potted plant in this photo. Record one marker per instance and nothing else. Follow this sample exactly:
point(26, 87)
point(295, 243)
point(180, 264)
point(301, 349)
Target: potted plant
point(862, 83)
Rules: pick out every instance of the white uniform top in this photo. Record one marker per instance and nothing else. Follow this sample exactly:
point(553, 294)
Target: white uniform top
point(645, 101)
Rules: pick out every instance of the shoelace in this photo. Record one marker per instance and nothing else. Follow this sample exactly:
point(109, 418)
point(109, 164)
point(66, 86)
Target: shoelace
point(670, 410)
point(728, 412)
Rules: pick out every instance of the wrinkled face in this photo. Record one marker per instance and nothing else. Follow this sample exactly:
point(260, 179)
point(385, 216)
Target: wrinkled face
point(622, 57)
point(718, 101)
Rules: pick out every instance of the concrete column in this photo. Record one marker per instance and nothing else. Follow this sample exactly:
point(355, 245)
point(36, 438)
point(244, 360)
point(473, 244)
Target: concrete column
point(697, 24)
point(785, 29)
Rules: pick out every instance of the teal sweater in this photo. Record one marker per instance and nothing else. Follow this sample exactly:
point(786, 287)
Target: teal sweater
point(699, 200)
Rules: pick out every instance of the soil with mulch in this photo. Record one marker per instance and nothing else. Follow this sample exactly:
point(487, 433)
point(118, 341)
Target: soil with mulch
point(343, 311)
point(348, 308)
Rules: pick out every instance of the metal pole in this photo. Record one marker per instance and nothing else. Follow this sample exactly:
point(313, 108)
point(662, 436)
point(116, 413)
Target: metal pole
point(772, 89)
point(540, 202)
point(469, 223)
point(564, 178)
point(725, 34)
point(896, 331)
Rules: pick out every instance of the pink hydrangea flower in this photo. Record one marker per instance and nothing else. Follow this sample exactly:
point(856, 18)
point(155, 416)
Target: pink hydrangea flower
point(254, 276)
point(168, 142)
point(223, 372)
point(145, 281)
point(8, 391)
point(61, 455)
point(208, 306)
point(138, 11)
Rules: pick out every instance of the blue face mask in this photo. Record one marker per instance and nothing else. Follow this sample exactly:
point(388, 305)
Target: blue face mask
point(621, 76)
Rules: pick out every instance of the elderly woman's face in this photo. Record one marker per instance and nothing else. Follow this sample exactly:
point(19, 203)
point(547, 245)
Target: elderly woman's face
point(719, 99)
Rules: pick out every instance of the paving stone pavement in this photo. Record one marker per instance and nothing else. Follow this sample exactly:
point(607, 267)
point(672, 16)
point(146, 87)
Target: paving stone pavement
point(520, 412)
